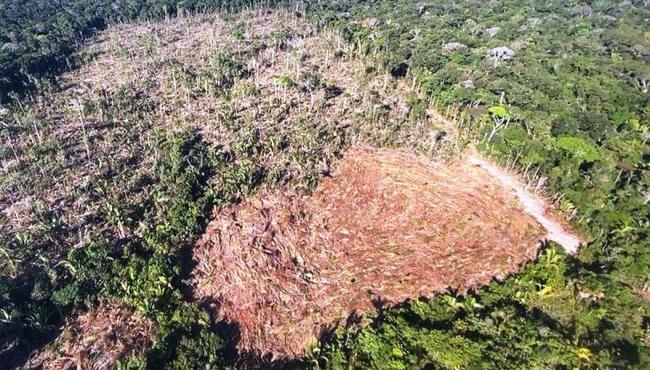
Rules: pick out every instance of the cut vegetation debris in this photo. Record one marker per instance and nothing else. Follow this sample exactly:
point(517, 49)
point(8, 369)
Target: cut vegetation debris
point(387, 227)
point(114, 161)
point(111, 174)
point(97, 339)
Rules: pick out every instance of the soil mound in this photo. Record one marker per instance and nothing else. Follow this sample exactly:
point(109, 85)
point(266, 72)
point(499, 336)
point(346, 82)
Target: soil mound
point(387, 227)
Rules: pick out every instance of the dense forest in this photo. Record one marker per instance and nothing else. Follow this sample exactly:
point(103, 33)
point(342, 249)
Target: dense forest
point(558, 88)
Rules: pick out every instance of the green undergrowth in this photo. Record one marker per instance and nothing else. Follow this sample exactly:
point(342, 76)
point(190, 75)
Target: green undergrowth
point(148, 269)
point(564, 108)
point(149, 273)
point(532, 320)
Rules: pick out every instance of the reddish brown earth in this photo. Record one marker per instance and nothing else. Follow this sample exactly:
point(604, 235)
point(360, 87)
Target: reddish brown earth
point(388, 226)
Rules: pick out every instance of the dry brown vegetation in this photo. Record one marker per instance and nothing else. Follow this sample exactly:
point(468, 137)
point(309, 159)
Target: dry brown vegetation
point(281, 98)
point(387, 227)
point(97, 340)
point(285, 100)
point(118, 168)
point(303, 92)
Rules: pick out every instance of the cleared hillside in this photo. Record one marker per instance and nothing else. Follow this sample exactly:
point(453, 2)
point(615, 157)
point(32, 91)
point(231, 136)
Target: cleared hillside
point(324, 185)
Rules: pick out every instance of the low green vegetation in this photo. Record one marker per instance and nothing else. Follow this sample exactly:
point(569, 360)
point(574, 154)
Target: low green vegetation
point(127, 199)
point(553, 314)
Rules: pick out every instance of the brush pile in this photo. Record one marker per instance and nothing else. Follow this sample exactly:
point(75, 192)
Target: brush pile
point(387, 227)
point(97, 340)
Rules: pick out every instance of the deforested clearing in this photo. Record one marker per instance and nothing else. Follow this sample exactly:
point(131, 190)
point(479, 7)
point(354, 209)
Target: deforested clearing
point(387, 227)
point(324, 184)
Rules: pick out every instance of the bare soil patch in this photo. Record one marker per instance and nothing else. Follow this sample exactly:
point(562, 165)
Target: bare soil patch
point(387, 227)
point(96, 340)
point(534, 205)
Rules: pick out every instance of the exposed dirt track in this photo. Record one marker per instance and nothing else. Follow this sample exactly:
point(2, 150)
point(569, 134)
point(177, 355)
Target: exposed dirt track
point(534, 206)
point(387, 227)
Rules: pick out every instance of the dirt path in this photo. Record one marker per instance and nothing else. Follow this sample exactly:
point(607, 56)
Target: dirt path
point(532, 205)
